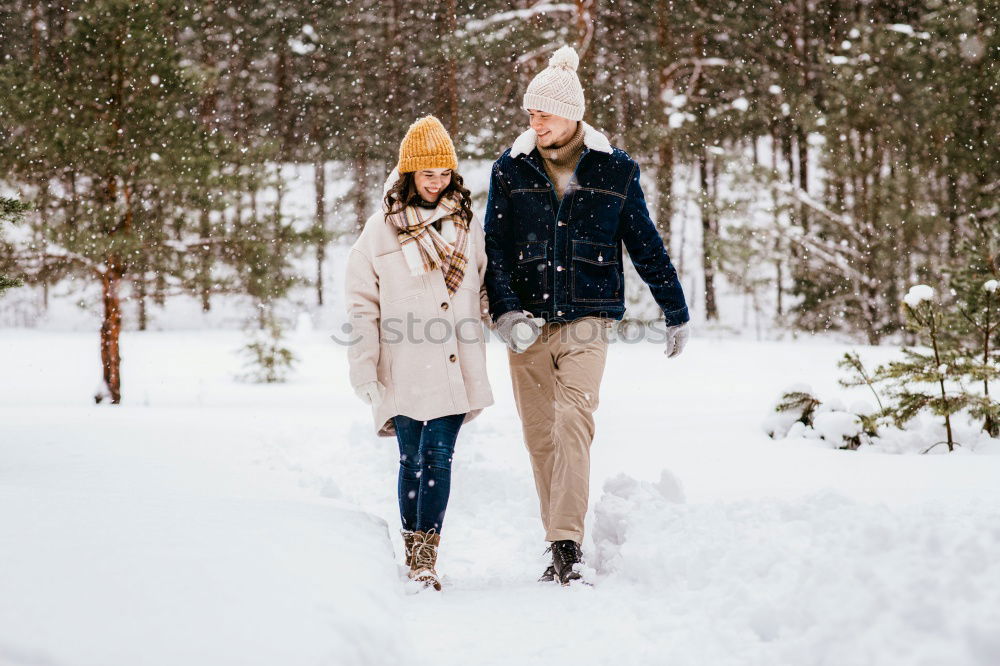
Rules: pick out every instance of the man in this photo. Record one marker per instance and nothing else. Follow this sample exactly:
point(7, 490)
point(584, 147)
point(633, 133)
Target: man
point(562, 201)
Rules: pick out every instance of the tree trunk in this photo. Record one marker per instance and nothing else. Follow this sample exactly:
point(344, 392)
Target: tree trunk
point(205, 271)
point(584, 20)
point(707, 237)
point(283, 96)
point(43, 215)
point(319, 178)
point(393, 63)
point(451, 69)
point(664, 190)
point(110, 333)
point(779, 258)
point(665, 152)
point(952, 213)
point(361, 185)
point(803, 150)
point(140, 289)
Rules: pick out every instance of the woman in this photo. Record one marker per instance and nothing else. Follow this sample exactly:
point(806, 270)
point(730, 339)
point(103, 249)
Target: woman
point(416, 300)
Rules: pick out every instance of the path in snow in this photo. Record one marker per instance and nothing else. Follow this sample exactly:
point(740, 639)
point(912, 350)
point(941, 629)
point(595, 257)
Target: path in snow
point(766, 553)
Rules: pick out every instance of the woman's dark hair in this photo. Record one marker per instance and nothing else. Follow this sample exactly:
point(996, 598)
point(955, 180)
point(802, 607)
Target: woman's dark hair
point(404, 193)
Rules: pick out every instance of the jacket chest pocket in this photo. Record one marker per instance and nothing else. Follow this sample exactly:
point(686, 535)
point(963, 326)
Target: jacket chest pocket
point(530, 273)
point(596, 273)
point(531, 210)
point(597, 210)
point(395, 282)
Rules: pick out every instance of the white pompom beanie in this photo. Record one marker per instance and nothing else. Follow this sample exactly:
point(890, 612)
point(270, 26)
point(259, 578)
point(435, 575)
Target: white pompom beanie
point(556, 89)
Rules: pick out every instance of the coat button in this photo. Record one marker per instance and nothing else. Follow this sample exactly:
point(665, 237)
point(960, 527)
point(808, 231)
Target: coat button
point(559, 268)
point(444, 306)
point(559, 313)
point(452, 358)
point(561, 224)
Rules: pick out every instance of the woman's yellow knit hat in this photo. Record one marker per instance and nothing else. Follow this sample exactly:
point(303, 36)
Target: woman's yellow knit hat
point(426, 146)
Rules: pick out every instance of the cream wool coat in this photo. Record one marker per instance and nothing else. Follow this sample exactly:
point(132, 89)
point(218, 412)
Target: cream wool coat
point(431, 354)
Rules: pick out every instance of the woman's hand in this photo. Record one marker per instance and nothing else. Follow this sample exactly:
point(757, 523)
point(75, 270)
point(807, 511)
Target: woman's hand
point(370, 393)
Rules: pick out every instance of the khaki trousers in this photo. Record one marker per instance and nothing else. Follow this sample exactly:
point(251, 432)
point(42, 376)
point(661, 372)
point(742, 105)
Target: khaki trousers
point(557, 383)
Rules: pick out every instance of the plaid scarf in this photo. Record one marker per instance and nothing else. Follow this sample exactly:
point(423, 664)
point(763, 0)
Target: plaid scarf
point(424, 248)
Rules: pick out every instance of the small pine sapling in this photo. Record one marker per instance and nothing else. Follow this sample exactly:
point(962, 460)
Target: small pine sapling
point(980, 310)
point(268, 360)
point(802, 402)
point(859, 376)
point(906, 378)
point(11, 210)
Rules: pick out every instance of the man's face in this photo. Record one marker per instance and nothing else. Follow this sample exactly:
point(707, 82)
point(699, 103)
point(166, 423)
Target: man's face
point(553, 131)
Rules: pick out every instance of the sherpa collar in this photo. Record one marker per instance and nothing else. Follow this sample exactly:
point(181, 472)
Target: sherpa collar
point(592, 139)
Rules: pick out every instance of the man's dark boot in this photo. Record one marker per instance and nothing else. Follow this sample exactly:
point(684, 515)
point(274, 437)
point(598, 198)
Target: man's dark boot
point(549, 574)
point(565, 554)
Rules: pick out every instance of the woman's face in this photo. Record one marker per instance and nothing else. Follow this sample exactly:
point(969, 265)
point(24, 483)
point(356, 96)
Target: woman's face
point(430, 183)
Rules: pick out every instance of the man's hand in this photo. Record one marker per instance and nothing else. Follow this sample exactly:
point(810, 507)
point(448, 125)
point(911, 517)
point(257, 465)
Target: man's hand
point(518, 330)
point(370, 393)
point(677, 337)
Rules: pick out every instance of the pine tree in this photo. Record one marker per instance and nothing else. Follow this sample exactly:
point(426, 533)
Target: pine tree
point(926, 380)
point(111, 116)
point(11, 211)
point(975, 319)
point(268, 360)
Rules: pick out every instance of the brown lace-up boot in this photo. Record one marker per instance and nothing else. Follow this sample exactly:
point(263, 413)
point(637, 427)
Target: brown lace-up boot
point(425, 551)
point(408, 545)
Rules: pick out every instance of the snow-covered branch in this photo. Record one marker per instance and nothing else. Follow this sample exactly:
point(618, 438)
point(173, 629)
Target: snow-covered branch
point(844, 222)
point(53, 252)
point(184, 246)
point(834, 255)
point(698, 63)
point(532, 55)
point(544, 7)
point(987, 213)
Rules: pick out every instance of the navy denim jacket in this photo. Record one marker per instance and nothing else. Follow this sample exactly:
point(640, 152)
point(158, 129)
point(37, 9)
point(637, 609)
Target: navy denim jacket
point(562, 260)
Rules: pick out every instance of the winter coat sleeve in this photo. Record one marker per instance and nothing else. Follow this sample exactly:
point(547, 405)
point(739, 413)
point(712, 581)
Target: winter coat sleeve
point(501, 296)
point(363, 314)
point(648, 254)
point(479, 241)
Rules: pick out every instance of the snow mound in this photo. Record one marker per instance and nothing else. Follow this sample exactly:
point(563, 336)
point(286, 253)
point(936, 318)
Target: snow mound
point(788, 581)
point(159, 551)
point(623, 497)
point(837, 426)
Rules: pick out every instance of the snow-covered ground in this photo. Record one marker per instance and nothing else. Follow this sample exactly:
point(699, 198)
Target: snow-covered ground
point(210, 522)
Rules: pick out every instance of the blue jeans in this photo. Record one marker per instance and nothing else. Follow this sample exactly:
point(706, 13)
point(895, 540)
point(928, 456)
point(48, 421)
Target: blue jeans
point(425, 452)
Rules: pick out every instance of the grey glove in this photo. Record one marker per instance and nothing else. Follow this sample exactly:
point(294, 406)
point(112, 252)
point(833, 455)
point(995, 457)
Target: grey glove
point(677, 337)
point(518, 330)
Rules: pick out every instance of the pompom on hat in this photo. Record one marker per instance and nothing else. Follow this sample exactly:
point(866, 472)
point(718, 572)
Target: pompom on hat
point(556, 89)
point(426, 146)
